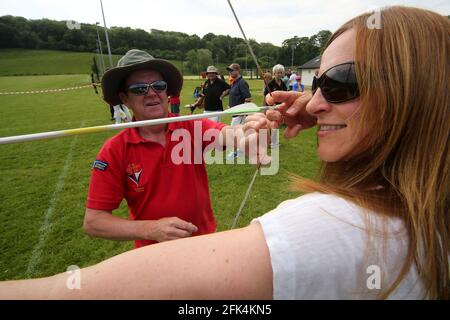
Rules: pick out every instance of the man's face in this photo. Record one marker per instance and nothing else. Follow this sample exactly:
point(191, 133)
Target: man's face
point(234, 73)
point(152, 105)
point(211, 76)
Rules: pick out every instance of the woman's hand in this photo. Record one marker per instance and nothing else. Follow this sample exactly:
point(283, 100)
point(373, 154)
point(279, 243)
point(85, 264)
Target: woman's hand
point(291, 112)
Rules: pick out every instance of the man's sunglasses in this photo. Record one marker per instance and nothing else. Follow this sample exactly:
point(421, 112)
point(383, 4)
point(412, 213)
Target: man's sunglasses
point(140, 89)
point(337, 84)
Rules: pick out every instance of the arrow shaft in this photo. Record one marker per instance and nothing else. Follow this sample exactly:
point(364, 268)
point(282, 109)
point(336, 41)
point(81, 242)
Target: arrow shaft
point(244, 109)
point(96, 129)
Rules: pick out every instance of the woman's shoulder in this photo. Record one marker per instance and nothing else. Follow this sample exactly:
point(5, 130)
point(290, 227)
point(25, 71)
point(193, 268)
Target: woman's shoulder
point(321, 246)
point(328, 211)
point(317, 200)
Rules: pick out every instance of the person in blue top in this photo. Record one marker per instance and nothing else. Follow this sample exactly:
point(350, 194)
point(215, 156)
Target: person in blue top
point(298, 86)
point(239, 93)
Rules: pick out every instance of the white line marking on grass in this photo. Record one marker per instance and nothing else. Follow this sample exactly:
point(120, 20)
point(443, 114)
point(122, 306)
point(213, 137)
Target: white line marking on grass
point(46, 225)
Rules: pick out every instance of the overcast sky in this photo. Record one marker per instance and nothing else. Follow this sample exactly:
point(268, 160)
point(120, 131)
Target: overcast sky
point(266, 21)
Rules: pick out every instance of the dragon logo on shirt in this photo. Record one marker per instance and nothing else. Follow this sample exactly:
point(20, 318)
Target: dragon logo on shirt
point(134, 172)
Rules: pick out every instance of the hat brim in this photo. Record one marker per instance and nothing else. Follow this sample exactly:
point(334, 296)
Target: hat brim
point(113, 78)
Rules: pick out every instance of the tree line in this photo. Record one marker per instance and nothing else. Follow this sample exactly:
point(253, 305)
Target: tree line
point(196, 52)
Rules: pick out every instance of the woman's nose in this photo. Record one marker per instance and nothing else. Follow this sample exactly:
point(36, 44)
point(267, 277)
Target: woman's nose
point(318, 104)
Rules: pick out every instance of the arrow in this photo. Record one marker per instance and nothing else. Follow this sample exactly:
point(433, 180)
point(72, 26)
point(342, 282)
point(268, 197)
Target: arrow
point(242, 109)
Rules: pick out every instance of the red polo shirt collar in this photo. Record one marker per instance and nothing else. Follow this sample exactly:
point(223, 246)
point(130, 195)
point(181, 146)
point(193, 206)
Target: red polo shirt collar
point(134, 137)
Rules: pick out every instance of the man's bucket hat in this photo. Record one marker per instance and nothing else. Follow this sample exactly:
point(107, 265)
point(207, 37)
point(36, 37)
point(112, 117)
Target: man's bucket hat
point(212, 69)
point(137, 60)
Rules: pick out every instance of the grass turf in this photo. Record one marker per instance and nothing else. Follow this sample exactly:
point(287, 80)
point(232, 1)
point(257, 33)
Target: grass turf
point(44, 183)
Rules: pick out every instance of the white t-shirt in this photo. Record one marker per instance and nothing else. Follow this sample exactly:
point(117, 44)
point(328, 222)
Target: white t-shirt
point(320, 249)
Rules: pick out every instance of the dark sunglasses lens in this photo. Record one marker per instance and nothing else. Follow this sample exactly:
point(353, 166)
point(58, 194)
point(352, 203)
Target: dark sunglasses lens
point(159, 85)
point(339, 84)
point(138, 89)
point(142, 88)
point(314, 85)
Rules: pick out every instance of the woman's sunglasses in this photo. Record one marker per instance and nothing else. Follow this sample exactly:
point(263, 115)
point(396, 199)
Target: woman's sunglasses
point(337, 84)
point(140, 89)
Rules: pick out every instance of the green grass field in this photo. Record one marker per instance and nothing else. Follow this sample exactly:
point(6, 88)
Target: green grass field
point(44, 183)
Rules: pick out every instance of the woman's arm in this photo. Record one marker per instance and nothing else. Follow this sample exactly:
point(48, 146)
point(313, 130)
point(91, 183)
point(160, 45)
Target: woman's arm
point(226, 265)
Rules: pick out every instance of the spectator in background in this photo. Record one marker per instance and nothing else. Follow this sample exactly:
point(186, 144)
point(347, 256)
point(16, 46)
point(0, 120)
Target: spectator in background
point(174, 102)
point(276, 84)
point(288, 73)
point(197, 91)
point(214, 90)
point(285, 80)
point(196, 94)
point(267, 78)
point(239, 93)
point(292, 81)
point(298, 86)
point(122, 113)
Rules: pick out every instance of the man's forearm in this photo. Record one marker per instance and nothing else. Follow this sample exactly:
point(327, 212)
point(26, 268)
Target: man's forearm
point(225, 93)
point(199, 101)
point(105, 225)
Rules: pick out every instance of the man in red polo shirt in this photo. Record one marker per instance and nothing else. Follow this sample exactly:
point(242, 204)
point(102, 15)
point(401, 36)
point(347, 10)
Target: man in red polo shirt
point(166, 199)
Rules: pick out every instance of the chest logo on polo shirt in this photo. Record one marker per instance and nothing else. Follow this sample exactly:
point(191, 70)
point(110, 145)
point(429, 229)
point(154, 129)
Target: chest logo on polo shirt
point(134, 172)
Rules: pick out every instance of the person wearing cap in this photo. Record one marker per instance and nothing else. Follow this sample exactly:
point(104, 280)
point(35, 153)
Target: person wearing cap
point(214, 90)
point(239, 93)
point(167, 200)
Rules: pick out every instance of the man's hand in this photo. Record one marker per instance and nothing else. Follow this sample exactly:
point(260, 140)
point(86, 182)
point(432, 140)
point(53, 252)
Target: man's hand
point(168, 229)
point(291, 112)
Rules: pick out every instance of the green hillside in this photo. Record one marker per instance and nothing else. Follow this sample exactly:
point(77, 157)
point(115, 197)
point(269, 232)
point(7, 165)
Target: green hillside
point(14, 62)
point(42, 62)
